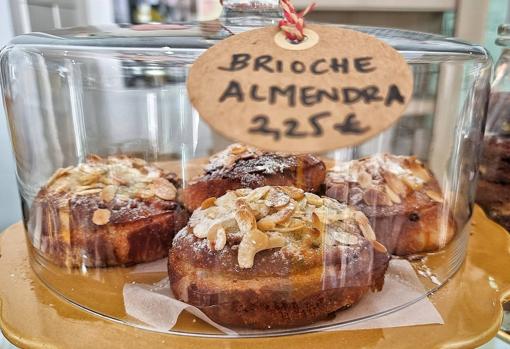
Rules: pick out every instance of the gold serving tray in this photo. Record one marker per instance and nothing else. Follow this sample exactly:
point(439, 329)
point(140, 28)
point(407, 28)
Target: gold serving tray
point(32, 316)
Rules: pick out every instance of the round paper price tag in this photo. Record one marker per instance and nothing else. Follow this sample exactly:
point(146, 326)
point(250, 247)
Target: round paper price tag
point(340, 88)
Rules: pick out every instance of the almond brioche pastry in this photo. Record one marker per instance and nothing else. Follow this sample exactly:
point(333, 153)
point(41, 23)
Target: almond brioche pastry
point(275, 257)
point(242, 166)
point(400, 197)
point(107, 212)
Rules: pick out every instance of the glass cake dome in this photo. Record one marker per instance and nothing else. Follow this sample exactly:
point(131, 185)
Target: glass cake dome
point(134, 207)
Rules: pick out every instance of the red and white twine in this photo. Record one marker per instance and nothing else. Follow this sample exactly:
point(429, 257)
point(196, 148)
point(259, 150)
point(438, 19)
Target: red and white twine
point(293, 23)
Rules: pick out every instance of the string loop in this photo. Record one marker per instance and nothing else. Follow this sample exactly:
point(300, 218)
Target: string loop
point(293, 23)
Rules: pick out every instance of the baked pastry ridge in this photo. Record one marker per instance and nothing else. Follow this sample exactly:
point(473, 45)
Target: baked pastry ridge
point(401, 198)
point(106, 212)
point(275, 257)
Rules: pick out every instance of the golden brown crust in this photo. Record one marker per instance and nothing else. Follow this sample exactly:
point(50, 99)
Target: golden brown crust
point(102, 213)
point(250, 310)
point(401, 198)
point(300, 281)
point(241, 166)
point(271, 301)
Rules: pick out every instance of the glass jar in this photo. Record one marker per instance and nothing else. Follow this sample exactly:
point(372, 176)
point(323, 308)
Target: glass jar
point(494, 184)
point(115, 167)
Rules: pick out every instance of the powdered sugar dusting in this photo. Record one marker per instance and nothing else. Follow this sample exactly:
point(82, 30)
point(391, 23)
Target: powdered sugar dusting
point(249, 162)
point(375, 166)
point(225, 159)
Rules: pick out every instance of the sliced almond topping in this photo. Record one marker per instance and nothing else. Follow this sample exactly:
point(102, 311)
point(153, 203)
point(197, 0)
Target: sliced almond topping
point(94, 169)
point(419, 170)
point(364, 179)
point(146, 193)
point(379, 247)
point(395, 184)
point(244, 217)
point(298, 222)
point(315, 233)
point(346, 238)
point(298, 225)
point(139, 186)
point(119, 179)
point(230, 161)
point(302, 206)
point(242, 203)
point(212, 212)
point(94, 158)
point(257, 194)
point(145, 179)
point(259, 209)
point(411, 182)
point(331, 216)
point(364, 225)
point(87, 187)
point(344, 214)
point(392, 195)
point(266, 223)
point(138, 163)
point(243, 191)
point(434, 195)
point(293, 192)
point(313, 199)
point(237, 149)
point(164, 189)
point(202, 229)
point(217, 238)
point(284, 213)
point(101, 216)
point(317, 223)
point(228, 200)
point(61, 172)
point(209, 202)
point(108, 193)
point(276, 198)
point(122, 197)
point(252, 242)
point(89, 178)
point(89, 191)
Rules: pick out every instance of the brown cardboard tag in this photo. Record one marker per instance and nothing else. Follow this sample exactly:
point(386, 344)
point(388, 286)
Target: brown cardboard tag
point(336, 89)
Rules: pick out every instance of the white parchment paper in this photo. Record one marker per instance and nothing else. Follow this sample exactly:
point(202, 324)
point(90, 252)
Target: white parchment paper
point(156, 306)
